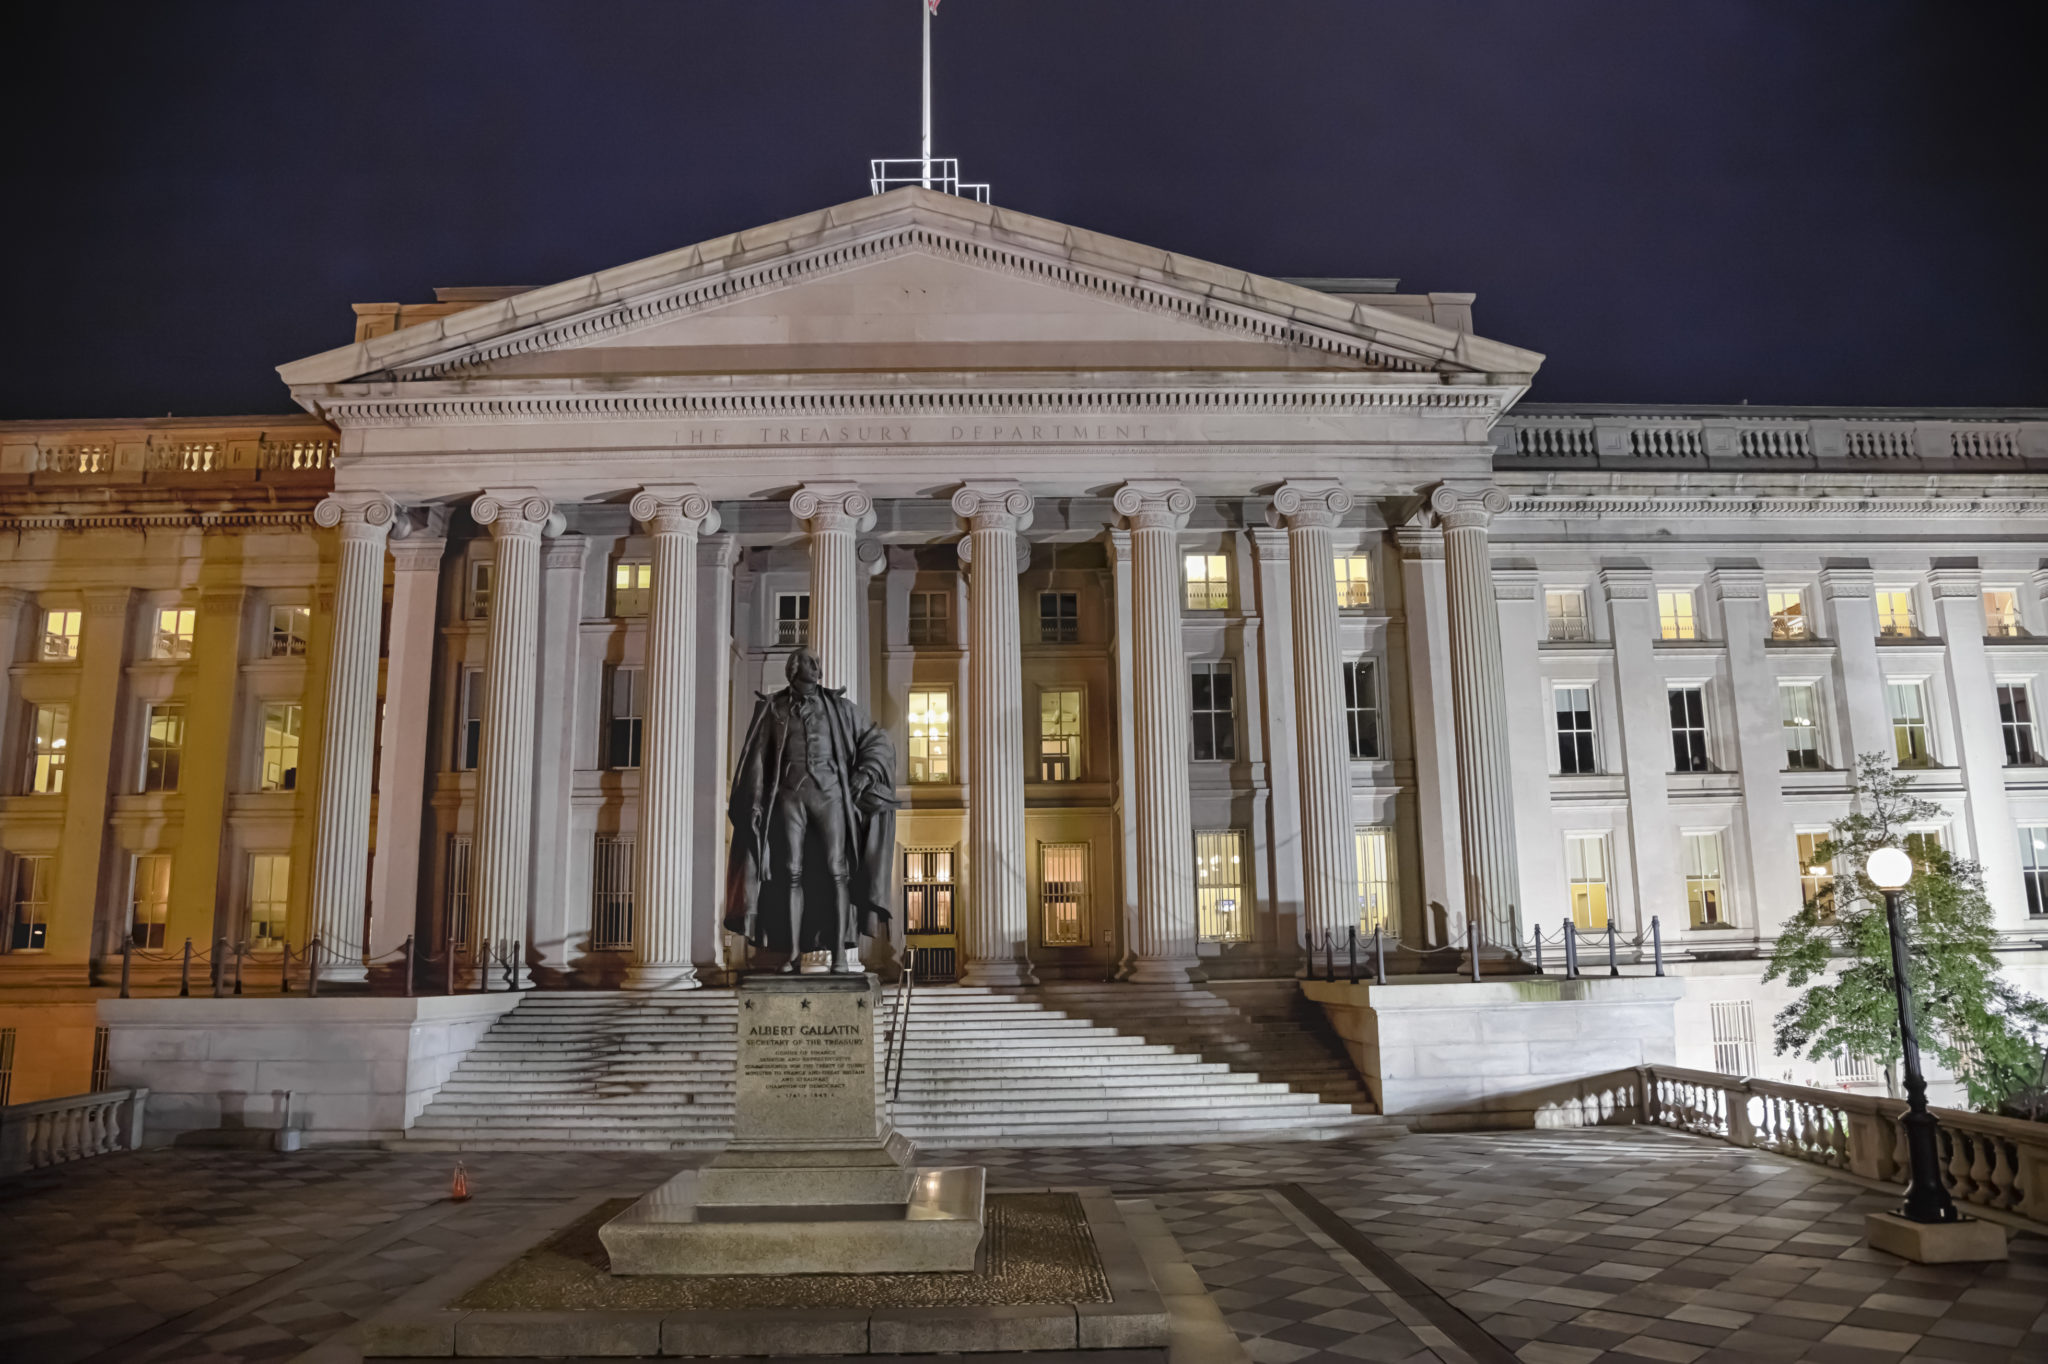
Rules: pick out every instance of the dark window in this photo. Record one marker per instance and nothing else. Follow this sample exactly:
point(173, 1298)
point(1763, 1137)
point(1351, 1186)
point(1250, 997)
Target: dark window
point(1575, 752)
point(1059, 618)
point(1215, 712)
point(931, 618)
point(622, 720)
point(2016, 719)
point(1362, 708)
point(469, 734)
point(1689, 730)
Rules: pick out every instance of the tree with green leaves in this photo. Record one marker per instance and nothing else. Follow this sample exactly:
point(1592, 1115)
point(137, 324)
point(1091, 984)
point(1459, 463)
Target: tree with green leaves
point(1980, 1027)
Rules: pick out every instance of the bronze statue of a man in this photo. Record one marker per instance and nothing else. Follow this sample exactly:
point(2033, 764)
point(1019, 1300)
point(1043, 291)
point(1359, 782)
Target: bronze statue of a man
point(813, 813)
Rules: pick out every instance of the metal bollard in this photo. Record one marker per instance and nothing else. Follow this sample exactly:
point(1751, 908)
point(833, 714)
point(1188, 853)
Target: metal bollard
point(1353, 948)
point(1379, 958)
point(405, 956)
point(1329, 957)
point(127, 959)
point(313, 969)
point(512, 966)
point(448, 979)
point(284, 969)
point(185, 973)
point(1657, 943)
point(1571, 950)
point(1472, 946)
point(240, 948)
point(1538, 929)
point(1612, 968)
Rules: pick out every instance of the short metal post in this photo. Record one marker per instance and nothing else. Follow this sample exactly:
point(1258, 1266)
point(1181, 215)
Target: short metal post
point(313, 969)
point(1537, 929)
point(448, 978)
point(1613, 969)
point(1329, 956)
point(217, 969)
point(239, 948)
point(1657, 943)
point(1472, 945)
point(1379, 955)
point(512, 966)
point(284, 969)
point(405, 953)
point(1353, 948)
point(127, 960)
point(1571, 950)
point(185, 973)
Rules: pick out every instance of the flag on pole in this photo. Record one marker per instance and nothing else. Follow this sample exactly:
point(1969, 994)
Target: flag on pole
point(932, 5)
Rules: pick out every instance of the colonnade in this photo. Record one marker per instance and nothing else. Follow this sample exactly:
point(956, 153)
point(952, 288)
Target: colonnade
point(1163, 932)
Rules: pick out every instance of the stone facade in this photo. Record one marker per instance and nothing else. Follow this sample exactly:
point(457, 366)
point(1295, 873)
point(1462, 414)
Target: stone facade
point(1179, 589)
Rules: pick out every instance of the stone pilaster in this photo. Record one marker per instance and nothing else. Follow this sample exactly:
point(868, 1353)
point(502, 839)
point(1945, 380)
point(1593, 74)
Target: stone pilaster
point(1640, 701)
point(1864, 724)
point(663, 863)
point(1773, 881)
point(1163, 945)
point(1958, 588)
point(1311, 511)
point(97, 711)
point(716, 556)
point(836, 514)
point(1426, 637)
point(198, 883)
point(1273, 645)
point(401, 760)
point(504, 789)
point(1486, 805)
point(997, 921)
point(341, 840)
point(1122, 643)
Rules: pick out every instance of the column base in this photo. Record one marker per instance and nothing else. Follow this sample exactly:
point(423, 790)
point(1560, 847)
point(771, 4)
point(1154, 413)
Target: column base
point(343, 973)
point(651, 976)
point(1165, 971)
point(997, 973)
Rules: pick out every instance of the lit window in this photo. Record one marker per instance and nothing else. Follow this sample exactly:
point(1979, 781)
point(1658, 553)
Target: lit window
point(29, 915)
point(2002, 614)
point(174, 633)
point(149, 903)
point(2016, 721)
point(1585, 865)
point(1734, 1024)
point(931, 736)
point(2034, 867)
point(1213, 709)
point(622, 717)
point(611, 893)
point(1675, 618)
point(482, 573)
point(1816, 878)
point(1895, 614)
point(632, 587)
point(1063, 893)
point(1373, 849)
point(1576, 754)
point(60, 635)
point(1059, 618)
point(270, 881)
point(928, 890)
point(1788, 615)
point(1799, 714)
point(1927, 847)
point(792, 620)
point(456, 888)
point(1362, 708)
point(1354, 581)
point(1564, 609)
point(1908, 701)
point(1059, 736)
point(163, 748)
point(1208, 577)
point(280, 746)
point(289, 628)
point(1703, 894)
point(1689, 730)
point(1222, 909)
point(52, 725)
point(931, 618)
point(469, 725)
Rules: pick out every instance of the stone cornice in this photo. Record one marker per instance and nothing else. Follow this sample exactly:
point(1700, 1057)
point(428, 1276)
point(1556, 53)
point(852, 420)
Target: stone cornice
point(267, 519)
point(1626, 506)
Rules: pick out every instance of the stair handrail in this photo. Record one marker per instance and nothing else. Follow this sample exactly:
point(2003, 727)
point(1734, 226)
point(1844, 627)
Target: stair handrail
point(899, 1029)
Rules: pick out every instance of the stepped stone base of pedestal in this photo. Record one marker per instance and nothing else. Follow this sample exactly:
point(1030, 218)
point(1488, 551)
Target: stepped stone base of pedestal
point(672, 1231)
point(1967, 1241)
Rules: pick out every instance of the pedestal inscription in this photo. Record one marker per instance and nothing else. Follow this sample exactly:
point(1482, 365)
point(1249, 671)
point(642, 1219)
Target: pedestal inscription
point(807, 1061)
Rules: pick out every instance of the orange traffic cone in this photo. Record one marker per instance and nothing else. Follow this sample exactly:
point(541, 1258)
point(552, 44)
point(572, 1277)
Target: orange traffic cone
point(458, 1188)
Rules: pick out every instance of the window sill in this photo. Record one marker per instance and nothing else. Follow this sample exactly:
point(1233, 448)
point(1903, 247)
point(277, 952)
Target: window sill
point(1910, 641)
point(1683, 644)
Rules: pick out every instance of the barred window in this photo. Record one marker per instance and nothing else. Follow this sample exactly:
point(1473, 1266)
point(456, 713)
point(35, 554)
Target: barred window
point(928, 890)
point(455, 887)
point(1063, 894)
point(1734, 1036)
point(1222, 909)
point(611, 893)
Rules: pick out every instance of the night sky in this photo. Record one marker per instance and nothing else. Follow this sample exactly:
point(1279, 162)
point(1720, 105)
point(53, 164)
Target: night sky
point(1700, 202)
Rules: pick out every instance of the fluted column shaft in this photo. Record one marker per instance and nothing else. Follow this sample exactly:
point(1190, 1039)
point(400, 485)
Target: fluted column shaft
point(341, 840)
point(998, 876)
point(836, 514)
point(504, 787)
point(1329, 872)
point(1163, 943)
point(1486, 805)
point(664, 864)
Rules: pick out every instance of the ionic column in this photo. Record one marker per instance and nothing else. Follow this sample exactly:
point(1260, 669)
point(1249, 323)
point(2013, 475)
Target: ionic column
point(1310, 511)
point(664, 861)
point(341, 841)
point(996, 921)
point(1163, 943)
point(504, 786)
point(836, 514)
point(408, 703)
point(1486, 801)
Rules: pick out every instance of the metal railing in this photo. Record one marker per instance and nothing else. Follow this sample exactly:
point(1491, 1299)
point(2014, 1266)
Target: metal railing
point(459, 967)
point(897, 1039)
point(77, 1127)
point(941, 173)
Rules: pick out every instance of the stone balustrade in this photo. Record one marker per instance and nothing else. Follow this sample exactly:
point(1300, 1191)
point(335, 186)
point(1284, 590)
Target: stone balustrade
point(53, 1131)
point(171, 451)
point(1540, 436)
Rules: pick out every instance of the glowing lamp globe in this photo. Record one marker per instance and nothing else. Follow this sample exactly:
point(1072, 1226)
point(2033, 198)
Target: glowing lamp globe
point(1889, 868)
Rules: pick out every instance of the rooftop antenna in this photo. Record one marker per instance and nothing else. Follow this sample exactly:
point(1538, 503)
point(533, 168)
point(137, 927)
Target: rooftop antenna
point(941, 173)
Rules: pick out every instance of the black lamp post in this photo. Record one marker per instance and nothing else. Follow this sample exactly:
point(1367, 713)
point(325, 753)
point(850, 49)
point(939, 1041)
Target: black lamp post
point(1927, 1197)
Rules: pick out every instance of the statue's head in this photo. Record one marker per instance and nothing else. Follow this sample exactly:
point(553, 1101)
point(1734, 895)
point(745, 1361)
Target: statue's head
point(802, 671)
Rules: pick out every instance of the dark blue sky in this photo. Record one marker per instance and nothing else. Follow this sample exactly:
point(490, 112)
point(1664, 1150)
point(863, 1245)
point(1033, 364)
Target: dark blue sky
point(1678, 202)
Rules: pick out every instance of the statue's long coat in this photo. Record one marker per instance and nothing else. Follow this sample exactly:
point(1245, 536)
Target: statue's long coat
point(757, 893)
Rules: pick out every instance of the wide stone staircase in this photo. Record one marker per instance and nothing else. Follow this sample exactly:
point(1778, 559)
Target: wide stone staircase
point(981, 1068)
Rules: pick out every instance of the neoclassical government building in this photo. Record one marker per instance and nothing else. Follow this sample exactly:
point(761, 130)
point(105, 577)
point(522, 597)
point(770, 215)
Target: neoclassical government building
point(1212, 615)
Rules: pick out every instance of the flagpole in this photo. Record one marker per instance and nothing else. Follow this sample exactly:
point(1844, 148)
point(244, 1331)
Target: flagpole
point(921, 4)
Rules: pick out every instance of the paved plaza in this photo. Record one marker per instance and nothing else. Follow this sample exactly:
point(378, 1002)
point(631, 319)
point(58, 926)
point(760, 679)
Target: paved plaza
point(1554, 1248)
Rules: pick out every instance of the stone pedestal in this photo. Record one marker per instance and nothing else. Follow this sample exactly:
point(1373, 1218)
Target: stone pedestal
point(816, 1180)
point(1964, 1241)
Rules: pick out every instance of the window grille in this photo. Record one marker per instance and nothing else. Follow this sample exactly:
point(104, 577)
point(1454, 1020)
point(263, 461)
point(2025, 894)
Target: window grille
point(1223, 910)
point(1354, 581)
point(623, 724)
point(1703, 889)
point(1908, 702)
point(49, 735)
point(28, 925)
point(1689, 730)
point(270, 881)
point(2002, 614)
point(1734, 1036)
point(1362, 708)
point(1213, 709)
point(149, 905)
point(2034, 867)
point(1851, 1069)
point(6, 1066)
point(60, 635)
point(928, 890)
point(931, 736)
point(632, 588)
point(1564, 611)
point(281, 724)
point(1895, 614)
point(163, 747)
point(1585, 863)
point(1816, 878)
point(1063, 894)
point(1208, 582)
point(1788, 615)
point(611, 893)
point(1799, 712)
point(102, 1060)
point(1576, 751)
point(792, 620)
point(455, 887)
point(1059, 618)
point(1059, 735)
point(2016, 722)
point(173, 638)
point(469, 728)
point(931, 618)
point(1675, 615)
point(290, 626)
point(1373, 852)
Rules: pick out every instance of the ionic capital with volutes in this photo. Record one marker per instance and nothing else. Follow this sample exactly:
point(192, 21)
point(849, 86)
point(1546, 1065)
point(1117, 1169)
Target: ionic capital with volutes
point(833, 506)
point(675, 509)
point(360, 516)
point(1467, 508)
point(993, 506)
point(1154, 504)
point(517, 514)
point(1302, 504)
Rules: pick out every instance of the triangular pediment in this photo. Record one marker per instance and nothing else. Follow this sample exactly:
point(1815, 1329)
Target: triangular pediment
point(910, 280)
